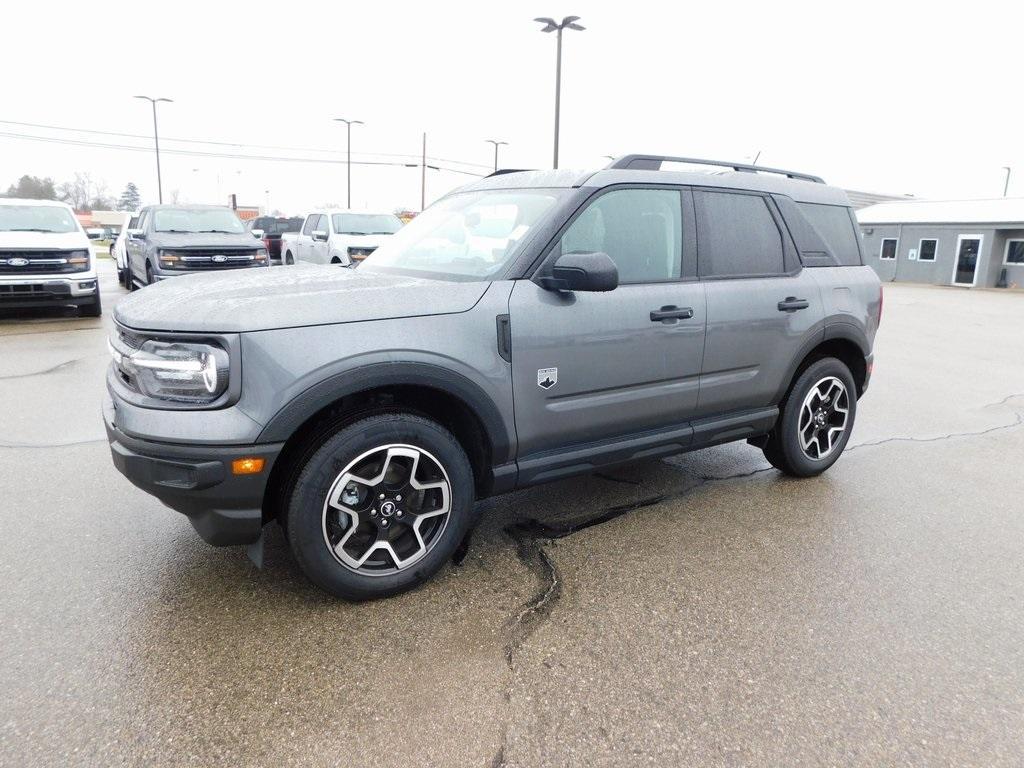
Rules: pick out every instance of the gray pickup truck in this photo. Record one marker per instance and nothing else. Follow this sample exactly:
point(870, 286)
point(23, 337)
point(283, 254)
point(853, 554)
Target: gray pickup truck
point(525, 328)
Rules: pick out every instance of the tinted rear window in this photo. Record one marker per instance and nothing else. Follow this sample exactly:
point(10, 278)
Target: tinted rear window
point(834, 225)
point(737, 236)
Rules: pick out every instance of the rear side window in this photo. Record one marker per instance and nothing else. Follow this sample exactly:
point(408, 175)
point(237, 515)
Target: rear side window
point(737, 235)
point(640, 229)
point(834, 226)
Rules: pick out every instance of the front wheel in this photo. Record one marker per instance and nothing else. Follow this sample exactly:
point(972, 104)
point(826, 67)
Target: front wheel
point(816, 420)
point(380, 506)
point(93, 308)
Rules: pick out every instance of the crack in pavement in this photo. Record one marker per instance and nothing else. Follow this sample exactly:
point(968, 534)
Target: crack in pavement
point(5, 443)
point(52, 369)
point(530, 536)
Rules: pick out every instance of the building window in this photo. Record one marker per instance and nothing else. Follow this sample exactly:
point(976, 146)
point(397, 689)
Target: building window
point(888, 252)
point(926, 250)
point(1014, 252)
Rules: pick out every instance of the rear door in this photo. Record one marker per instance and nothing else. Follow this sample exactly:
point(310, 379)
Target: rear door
point(588, 367)
point(762, 306)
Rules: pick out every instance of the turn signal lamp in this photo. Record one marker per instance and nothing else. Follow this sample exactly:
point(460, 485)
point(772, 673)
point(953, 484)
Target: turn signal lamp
point(251, 465)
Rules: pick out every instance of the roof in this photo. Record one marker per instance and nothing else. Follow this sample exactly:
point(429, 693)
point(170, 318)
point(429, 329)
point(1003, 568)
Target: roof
point(799, 190)
point(25, 201)
point(1000, 210)
point(860, 199)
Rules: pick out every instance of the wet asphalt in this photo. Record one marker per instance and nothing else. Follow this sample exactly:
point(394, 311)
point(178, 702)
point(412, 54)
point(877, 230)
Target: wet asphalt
point(701, 610)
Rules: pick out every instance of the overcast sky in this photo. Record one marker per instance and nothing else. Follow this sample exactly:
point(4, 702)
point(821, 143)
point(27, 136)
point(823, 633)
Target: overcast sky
point(895, 97)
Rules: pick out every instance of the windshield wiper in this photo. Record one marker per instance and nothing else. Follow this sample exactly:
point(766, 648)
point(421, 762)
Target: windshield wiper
point(179, 231)
point(382, 233)
point(32, 229)
point(217, 232)
point(353, 233)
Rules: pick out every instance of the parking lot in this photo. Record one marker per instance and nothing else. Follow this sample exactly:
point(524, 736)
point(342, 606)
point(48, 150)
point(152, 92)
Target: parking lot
point(700, 610)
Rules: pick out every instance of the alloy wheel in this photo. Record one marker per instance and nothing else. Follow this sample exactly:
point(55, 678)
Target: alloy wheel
point(824, 416)
point(386, 509)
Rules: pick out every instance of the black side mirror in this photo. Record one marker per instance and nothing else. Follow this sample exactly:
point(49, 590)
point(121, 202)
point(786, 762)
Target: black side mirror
point(582, 272)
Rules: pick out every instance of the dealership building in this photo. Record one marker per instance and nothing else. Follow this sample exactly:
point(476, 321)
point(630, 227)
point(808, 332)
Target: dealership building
point(946, 242)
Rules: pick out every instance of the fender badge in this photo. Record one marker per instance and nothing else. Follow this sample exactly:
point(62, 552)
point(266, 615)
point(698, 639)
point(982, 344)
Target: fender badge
point(547, 377)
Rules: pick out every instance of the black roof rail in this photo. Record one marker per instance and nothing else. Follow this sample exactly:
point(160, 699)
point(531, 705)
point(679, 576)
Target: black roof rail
point(503, 171)
point(653, 163)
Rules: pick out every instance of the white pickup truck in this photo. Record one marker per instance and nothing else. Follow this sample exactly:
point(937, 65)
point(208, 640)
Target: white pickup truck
point(45, 257)
point(338, 237)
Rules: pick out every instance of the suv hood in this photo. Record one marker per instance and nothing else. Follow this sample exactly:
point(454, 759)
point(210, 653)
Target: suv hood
point(264, 298)
point(203, 240)
point(44, 240)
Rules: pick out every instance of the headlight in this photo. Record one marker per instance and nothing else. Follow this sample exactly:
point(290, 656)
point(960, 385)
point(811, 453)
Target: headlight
point(261, 256)
point(171, 260)
point(182, 372)
point(78, 261)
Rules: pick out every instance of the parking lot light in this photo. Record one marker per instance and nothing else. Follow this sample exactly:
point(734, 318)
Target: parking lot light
point(156, 144)
point(348, 160)
point(550, 25)
point(496, 145)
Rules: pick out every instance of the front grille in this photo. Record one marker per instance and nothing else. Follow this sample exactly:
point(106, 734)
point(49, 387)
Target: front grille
point(41, 262)
point(33, 290)
point(215, 258)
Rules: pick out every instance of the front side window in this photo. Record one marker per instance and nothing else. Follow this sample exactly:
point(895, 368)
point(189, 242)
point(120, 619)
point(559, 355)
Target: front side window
point(888, 252)
point(738, 236)
point(37, 218)
point(640, 229)
point(926, 250)
point(834, 225)
point(1014, 252)
point(366, 223)
point(465, 236)
point(310, 225)
point(197, 220)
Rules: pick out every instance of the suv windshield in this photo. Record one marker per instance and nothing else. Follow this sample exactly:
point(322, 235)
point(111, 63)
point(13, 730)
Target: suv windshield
point(197, 220)
point(36, 218)
point(467, 236)
point(366, 223)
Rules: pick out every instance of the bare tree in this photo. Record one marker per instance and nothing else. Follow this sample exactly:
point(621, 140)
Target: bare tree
point(83, 193)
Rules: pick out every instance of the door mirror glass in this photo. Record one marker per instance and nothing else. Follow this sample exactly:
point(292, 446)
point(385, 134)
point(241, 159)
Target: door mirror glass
point(591, 271)
point(320, 235)
point(258, 234)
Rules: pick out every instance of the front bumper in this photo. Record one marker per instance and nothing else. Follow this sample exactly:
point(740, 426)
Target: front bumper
point(45, 291)
point(196, 480)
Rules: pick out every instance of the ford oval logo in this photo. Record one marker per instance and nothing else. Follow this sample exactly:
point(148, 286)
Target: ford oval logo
point(220, 258)
point(18, 262)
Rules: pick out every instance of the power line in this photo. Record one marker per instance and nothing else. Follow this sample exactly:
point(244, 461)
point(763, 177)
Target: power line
point(223, 155)
point(231, 143)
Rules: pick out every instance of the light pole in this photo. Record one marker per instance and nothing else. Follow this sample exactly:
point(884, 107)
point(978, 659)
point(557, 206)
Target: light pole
point(156, 144)
point(496, 145)
point(1006, 184)
point(550, 25)
point(348, 160)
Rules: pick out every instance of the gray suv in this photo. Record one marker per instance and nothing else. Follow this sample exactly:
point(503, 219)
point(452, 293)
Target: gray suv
point(525, 328)
point(174, 240)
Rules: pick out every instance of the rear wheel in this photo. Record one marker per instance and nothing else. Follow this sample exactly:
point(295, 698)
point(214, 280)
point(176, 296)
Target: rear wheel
point(815, 421)
point(380, 506)
point(288, 258)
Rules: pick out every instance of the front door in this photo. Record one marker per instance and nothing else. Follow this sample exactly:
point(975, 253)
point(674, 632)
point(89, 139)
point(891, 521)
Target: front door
point(589, 367)
point(968, 248)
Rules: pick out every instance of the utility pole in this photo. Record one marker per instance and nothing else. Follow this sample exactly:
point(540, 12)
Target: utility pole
point(348, 155)
point(550, 25)
point(423, 176)
point(156, 145)
point(496, 145)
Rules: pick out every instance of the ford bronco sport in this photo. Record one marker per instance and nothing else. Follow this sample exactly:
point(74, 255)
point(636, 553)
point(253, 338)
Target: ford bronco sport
point(525, 328)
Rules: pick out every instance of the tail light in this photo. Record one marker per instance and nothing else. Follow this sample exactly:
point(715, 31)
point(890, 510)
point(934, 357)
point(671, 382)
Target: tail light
point(266, 243)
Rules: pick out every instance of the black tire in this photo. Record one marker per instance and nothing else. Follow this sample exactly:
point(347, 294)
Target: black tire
point(310, 525)
point(289, 259)
point(783, 448)
point(93, 309)
point(149, 273)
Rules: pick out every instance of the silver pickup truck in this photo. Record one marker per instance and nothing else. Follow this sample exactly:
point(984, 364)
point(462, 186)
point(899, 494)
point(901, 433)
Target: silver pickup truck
point(335, 236)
